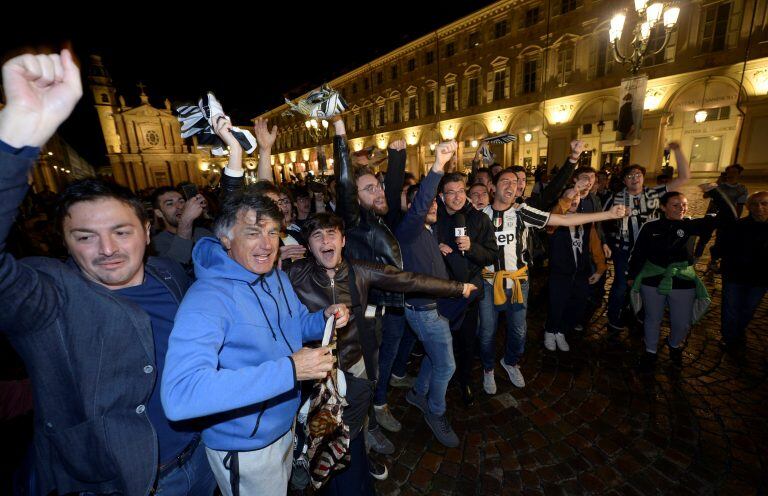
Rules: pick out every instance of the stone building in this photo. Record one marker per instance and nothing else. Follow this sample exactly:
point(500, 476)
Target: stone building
point(548, 76)
point(144, 144)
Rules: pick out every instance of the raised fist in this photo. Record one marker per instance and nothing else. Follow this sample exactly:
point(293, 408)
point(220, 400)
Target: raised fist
point(397, 145)
point(577, 148)
point(444, 151)
point(41, 91)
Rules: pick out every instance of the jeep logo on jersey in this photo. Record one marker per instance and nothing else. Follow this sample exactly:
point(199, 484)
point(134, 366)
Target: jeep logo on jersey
point(504, 238)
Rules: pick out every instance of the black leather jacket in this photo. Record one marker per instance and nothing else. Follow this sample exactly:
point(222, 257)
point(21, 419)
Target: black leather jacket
point(317, 291)
point(369, 237)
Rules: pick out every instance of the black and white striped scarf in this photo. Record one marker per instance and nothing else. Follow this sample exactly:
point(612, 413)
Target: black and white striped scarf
point(197, 120)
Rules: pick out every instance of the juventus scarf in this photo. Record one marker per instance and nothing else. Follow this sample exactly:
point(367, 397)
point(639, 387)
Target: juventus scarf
point(200, 119)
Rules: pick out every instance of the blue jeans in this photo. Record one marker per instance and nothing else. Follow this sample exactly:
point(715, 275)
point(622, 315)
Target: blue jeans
point(617, 297)
point(400, 367)
point(438, 364)
point(739, 304)
point(516, 326)
point(194, 478)
point(392, 328)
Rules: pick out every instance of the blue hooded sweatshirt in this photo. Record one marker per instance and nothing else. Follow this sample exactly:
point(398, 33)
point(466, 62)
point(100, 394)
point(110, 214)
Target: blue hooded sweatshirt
point(229, 352)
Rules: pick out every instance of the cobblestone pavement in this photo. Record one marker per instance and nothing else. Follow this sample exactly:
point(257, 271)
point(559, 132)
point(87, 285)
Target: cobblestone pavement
point(588, 423)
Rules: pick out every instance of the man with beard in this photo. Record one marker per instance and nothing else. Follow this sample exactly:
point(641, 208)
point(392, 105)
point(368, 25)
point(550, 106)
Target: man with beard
point(331, 278)
point(465, 256)
point(179, 232)
point(421, 252)
point(364, 205)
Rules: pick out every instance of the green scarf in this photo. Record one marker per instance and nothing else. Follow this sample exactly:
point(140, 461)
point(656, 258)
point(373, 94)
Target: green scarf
point(677, 269)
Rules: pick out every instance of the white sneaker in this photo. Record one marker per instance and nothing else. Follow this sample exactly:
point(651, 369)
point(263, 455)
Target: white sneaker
point(549, 341)
point(489, 382)
point(562, 344)
point(514, 374)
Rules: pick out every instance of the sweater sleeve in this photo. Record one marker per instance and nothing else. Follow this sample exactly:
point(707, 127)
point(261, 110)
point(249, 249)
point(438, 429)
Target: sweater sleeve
point(193, 385)
point(596, 249)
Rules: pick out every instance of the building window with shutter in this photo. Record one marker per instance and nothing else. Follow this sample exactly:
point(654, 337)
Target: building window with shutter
point(499, 82)
point(396, 112)
point(655, 42)
point(411, 65)
point(564, 6)
point(715, 27)
point(500, 29)
point(393, 72)
point(473, 97)
point(564, 65)
point(532, 17)
point(473, 40)
point(357, 122)
point(450, 95)
point(382, 117)
point(430, 102)
point(450, 49)
point(530, 75)
point(602, 56)
point(412, 107)
point(429, 57)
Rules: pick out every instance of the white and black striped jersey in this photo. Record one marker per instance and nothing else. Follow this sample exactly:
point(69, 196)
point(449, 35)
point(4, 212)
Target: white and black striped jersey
point(510, 228)
point(642, 208)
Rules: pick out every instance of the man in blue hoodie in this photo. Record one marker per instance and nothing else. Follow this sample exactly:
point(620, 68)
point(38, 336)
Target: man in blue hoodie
point(235, 354)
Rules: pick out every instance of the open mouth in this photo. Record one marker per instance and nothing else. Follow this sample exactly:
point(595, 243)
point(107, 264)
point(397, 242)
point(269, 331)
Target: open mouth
point(262, 259)
point(328, 252)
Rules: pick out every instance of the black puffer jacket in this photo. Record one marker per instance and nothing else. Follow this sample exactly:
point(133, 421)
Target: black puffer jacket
point(369, 238)
point(317, 291)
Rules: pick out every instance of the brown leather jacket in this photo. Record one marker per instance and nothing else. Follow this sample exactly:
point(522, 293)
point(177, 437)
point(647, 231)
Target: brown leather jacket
point(317, 291)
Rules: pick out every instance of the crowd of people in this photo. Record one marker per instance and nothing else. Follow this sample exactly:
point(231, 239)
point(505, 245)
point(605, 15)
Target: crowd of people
point(172, 341)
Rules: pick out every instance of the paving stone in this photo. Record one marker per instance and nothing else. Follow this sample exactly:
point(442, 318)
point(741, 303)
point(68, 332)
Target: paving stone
point(589, 423)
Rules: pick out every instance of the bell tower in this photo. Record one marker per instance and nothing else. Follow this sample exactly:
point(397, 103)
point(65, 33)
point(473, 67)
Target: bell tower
point(105, 101)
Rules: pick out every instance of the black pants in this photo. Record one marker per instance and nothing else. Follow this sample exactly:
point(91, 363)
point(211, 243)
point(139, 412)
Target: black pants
point(355, 479)
point(568, 296)
point(464, 334)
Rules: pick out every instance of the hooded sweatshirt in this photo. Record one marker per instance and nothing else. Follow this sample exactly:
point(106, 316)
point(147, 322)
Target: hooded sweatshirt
point(229, 352)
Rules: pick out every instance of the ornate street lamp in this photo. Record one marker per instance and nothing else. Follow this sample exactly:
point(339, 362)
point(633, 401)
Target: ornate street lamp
point(649, 16)
point(318, 128)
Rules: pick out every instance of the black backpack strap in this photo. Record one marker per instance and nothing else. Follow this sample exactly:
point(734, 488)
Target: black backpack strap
point(367, 336)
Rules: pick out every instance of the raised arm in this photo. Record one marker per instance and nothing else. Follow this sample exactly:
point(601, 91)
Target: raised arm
point(391, 278)
point(683, 168)
point(41, 91)
point(557, 184)
point(233, 176)
point(393, 181)
point(265, 138)
point(616, 212)
point(347, 206)
point(413, 222)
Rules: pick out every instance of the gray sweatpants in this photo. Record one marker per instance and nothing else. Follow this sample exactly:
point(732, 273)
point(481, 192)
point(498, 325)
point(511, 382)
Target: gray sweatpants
point(680, 308)
point(264, 471)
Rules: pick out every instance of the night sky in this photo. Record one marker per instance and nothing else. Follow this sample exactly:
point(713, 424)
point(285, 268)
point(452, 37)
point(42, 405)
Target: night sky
point(249, 62)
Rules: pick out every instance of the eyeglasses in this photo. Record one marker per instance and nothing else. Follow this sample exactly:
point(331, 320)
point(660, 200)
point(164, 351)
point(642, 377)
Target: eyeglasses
point(636, 175)
point(373, 188)
point(284, 201)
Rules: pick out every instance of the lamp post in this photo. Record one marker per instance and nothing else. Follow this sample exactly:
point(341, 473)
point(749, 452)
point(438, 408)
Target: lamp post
point(649, 16)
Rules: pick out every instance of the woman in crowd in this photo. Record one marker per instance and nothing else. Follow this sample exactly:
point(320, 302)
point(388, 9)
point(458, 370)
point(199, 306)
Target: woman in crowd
point(576, 260)
point(661, 271)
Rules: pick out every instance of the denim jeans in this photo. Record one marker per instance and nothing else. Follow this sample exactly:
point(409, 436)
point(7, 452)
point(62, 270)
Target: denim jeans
point(194, 478)
point(516, 326)
point(392, 328)
point(617, 297)
point(400, 367)
point(739, 304)
point(438, 364)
